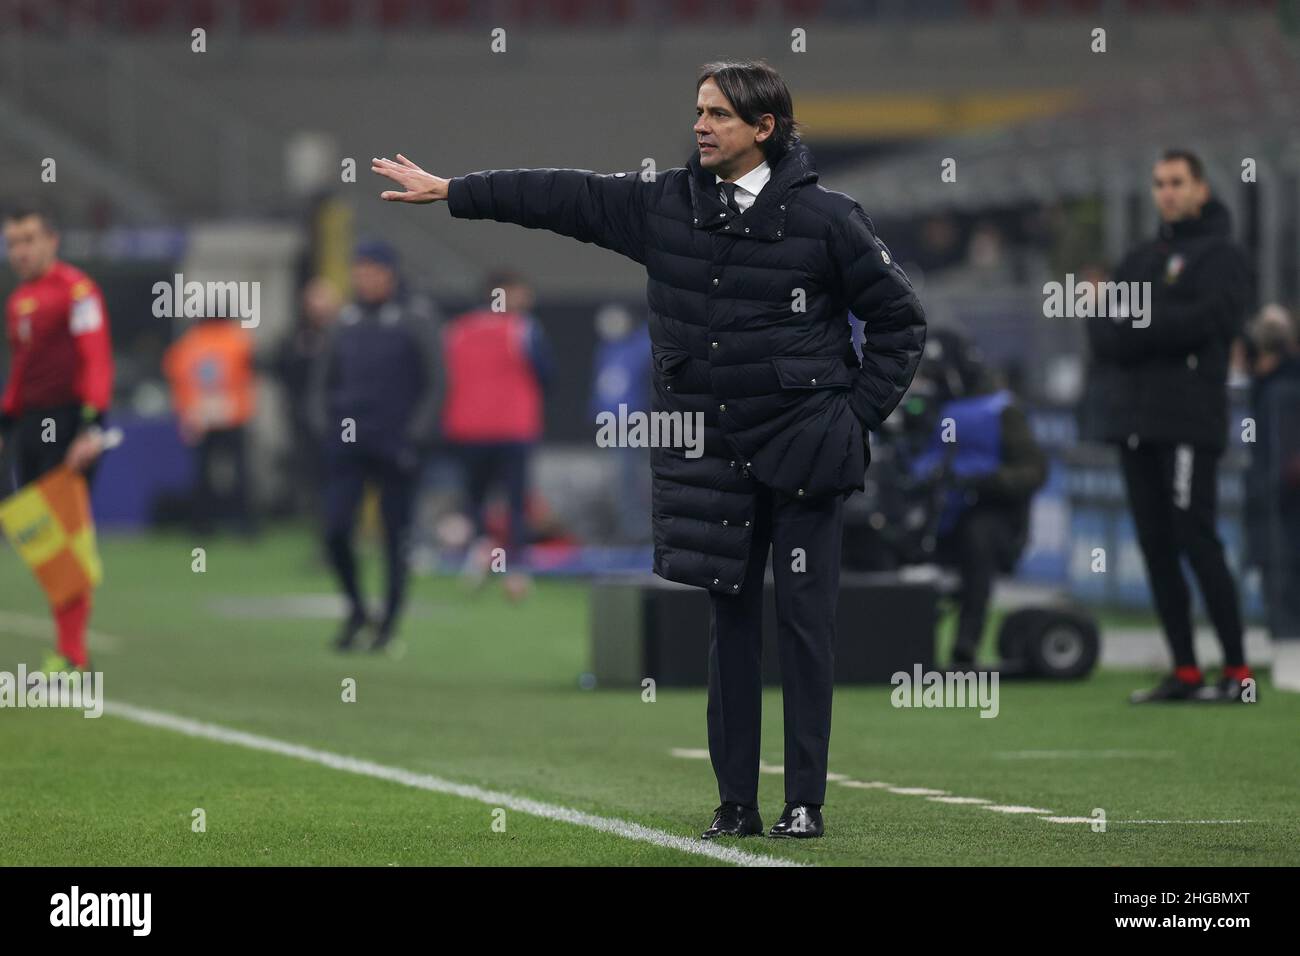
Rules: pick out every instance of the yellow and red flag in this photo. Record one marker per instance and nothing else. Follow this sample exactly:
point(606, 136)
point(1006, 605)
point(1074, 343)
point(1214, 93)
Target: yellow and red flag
point(50, 525)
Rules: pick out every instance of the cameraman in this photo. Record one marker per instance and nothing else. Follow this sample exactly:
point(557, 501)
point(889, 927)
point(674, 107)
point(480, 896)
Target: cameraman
point(984, 455)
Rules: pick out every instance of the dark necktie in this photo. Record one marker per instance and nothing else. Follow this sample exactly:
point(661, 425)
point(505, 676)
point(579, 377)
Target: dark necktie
point(730, 190)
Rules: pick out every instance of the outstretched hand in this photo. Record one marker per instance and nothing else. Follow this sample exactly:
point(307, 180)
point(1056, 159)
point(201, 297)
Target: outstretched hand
point(419, 186)
point(85, 449)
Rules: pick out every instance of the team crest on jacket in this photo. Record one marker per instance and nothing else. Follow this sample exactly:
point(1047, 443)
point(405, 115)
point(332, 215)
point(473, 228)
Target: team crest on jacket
point(1174, 268)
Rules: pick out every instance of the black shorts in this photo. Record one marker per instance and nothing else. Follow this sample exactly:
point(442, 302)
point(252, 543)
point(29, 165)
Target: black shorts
point(41, 439)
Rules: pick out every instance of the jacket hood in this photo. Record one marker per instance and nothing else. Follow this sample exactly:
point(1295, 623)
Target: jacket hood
point(1214, 220)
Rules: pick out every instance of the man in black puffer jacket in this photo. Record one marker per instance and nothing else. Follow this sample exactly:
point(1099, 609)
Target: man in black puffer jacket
point(752, 269)
point(1157, 388)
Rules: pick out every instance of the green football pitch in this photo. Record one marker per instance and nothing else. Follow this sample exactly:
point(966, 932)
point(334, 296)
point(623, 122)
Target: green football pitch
point(480, 744)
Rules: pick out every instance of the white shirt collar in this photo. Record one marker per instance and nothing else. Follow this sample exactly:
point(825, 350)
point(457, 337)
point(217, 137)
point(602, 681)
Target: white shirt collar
point(750, 185)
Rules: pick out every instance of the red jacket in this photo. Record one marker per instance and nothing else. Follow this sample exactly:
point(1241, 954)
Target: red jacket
point(59, 344)
point(492, 390)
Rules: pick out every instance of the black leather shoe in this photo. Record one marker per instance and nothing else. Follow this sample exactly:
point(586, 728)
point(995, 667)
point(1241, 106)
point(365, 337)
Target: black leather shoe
point(802, 820)
point(732, 819)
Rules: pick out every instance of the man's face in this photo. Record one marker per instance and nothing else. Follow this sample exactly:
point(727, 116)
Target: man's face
point(372, 281)
point(320, 302)
point(1177, 193)
point(31, 246)
point(518, 298)
point(729, 147)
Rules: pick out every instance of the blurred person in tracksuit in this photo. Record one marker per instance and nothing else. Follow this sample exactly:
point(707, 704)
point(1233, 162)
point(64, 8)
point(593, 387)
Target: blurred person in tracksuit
point(994, 466)
point(210, 370)
point(1159, 391)
point(376, 395)
point(1272, 352)
point(621, 376)
point(60, 382)
point(497, 364)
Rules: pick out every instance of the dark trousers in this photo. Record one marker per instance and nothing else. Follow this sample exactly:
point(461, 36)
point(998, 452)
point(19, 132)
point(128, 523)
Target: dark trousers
point(982, 544)
point(41, 438)
point(345, 481)
point(306, 468)
point(493, 464)
point(221, 491)
point(1280, 571)
point(805, 621)
point(1173, 496)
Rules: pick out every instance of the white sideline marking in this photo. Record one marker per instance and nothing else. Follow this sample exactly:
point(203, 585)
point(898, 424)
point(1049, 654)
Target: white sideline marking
point(1074, 819)
point(1185, 821)
point(1079, 754)
point(941, 796)
point(866, 784)
point(421, 781)
point(42, 629)
point(1098, 820)
point(1003, 808)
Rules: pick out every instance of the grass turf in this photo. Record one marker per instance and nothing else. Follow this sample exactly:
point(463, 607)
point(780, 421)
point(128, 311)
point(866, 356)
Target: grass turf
point(488, 693)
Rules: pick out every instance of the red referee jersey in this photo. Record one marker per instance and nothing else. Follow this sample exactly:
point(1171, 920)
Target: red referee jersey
point(59, 347)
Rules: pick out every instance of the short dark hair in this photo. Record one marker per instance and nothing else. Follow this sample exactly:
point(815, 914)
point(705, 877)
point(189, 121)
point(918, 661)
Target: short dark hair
point(754, 88)
point(1193, 161)
point(17, 211)
point(500, 278)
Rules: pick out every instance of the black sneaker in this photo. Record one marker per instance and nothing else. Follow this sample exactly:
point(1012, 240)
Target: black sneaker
point(1229, 690)
point(962, 660)
point(346, 639)
point(383, 636)
point(1171, 688)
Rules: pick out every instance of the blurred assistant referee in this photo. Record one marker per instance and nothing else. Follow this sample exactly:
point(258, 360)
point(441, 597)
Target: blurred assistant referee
point(752, 270)
point(375, 404)
point(60, 382)
point(1159, 391)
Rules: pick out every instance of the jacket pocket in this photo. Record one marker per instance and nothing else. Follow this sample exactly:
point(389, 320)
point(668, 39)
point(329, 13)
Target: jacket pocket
point(669, 361)
point(803, 371)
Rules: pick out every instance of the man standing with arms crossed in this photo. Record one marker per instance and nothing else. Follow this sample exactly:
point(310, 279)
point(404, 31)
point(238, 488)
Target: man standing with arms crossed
point(752, 269)
point(1160, 393)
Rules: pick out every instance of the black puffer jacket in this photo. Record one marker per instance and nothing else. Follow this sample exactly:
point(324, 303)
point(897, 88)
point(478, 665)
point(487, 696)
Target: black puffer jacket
point(748, 327)
point(1167, 382)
